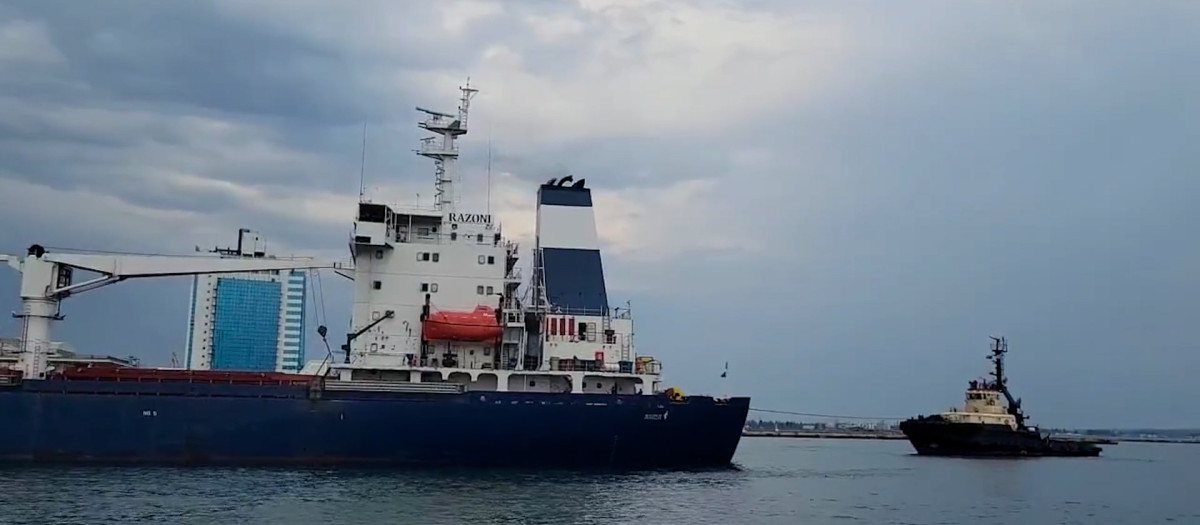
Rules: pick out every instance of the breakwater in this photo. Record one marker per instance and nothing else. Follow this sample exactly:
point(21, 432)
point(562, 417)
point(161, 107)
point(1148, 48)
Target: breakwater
point(827, 434)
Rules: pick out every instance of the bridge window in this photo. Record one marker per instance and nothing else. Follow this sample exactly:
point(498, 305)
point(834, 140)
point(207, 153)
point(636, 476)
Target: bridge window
point(433, 287)
point(454, 236)
point(479, 290)
point(490, 290)
point(424, 287)
point(377, 284)
point(491, 259)
point(435, 256)
point(479, 238)
point(481, 259)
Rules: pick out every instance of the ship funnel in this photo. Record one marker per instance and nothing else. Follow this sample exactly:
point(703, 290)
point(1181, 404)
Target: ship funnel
point(569, 248)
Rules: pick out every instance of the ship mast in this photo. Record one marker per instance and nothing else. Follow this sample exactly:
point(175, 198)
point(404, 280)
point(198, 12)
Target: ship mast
point(999, 348)
point(444, 152)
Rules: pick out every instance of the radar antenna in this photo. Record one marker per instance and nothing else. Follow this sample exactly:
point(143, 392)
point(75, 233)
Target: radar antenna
point(444, 152)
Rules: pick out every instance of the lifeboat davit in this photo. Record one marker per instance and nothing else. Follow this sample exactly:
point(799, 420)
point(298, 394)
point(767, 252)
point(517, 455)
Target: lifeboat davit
point(477, 325)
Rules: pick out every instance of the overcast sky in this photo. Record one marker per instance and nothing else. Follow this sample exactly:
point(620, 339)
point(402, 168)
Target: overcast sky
point(841, 199)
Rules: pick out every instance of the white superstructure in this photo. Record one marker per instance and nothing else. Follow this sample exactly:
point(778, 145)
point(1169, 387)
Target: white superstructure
point(427, 280)
point(984, 404)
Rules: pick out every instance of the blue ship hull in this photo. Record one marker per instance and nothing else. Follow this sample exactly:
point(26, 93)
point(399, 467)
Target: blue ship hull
point(88, 421)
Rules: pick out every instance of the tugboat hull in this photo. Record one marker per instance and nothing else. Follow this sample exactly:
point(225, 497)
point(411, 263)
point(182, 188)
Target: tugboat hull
point(936, 437)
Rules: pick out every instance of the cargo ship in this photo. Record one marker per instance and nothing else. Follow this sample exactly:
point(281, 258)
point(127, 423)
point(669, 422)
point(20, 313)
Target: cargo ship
point(450, 360)
point(991, 423)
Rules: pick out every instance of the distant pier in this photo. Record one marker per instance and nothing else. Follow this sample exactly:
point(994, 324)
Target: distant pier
point(826, 434)
point(896, 434)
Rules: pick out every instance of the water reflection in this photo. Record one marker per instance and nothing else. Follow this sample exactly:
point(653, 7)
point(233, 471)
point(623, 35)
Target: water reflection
point(779, 481)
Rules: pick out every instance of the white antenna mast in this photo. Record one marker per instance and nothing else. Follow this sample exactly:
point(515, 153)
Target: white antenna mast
point(362, 167)
point(489, 172)
point(445, 152)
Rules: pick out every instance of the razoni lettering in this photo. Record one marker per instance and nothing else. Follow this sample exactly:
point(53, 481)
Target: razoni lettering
point(471, 218)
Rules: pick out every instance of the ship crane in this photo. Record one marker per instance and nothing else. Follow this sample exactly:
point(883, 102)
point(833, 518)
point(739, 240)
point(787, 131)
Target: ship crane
point(46, 279)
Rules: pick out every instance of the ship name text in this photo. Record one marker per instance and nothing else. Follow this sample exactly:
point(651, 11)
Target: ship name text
point(471, 218)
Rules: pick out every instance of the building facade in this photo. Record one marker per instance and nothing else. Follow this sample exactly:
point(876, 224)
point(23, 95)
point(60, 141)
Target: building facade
point(247, 321)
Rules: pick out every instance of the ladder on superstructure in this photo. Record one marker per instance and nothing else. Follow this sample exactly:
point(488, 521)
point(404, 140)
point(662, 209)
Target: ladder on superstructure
point(605, 327)
point(537, 293)
point(512, 346)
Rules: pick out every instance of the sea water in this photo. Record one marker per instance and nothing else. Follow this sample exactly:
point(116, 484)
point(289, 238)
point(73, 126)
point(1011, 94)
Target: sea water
point(778, 480)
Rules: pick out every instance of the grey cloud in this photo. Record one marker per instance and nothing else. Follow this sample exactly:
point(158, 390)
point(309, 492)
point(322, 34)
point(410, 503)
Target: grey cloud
point(190, 53)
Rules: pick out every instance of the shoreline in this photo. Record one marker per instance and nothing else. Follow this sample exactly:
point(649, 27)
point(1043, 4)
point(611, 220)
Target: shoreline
point(897, 435)
point(818, 434)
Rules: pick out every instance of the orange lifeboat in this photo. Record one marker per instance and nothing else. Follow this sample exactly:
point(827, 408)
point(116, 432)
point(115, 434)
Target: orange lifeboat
point(477, 325)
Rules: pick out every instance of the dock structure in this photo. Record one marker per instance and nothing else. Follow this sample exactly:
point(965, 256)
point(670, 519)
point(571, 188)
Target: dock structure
point(826, 434)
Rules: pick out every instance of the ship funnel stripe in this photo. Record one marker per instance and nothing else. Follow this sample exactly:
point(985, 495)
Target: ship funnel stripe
point(575, 279)
point(564, 196)
point(567, 227)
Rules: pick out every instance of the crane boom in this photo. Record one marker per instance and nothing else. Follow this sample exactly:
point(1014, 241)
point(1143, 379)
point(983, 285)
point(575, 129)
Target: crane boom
point(128, 266)
point(46, 279)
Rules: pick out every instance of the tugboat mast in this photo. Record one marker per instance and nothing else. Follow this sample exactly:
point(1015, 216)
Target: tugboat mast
point(999, 348)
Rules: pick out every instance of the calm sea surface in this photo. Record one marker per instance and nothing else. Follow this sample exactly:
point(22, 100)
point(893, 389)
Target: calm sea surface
point(779, 481)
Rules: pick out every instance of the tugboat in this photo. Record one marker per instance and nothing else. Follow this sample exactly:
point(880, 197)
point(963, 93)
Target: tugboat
point(991, 423)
